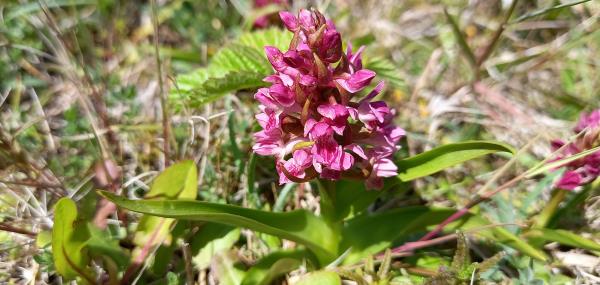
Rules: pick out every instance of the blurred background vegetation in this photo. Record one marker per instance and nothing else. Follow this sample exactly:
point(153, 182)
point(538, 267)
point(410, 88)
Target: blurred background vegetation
point(81, 92)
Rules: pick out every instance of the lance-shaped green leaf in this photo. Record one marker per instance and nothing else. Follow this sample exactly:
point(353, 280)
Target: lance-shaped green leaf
point(445, 156)
point(300, 226)
point(499, 234)
point(275, 265)
point(367, 235)
point(562, 237)
point(69, 237)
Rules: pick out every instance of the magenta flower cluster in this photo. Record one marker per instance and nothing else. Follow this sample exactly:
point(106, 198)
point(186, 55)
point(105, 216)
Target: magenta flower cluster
point(586, 169)
point(311, 121)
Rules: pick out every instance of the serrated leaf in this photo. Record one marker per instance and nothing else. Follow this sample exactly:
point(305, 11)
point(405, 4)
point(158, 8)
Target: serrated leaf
point(445, 156)
point(386, 70)
point(217, 87)
point(240, 65)
point(300, 226)
point(69, 237)
point(270, 37)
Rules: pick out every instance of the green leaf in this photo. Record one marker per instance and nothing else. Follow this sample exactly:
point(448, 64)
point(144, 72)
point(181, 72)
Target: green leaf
point(34, 7)
point(543, 166)
point(386, 70)
point(69, 237)
point(102, 244)
point(225, 269)
point(320, 278)
point(270, 37)
point(445, 156)
point(240, 65)
point(179, 181)
point(352, 197)
point(501, 235)
point(275, 265)
point(547, 10)
point(210, 240)
point(300, 226)
point(460, 38)
point(218, 87)
point(563, 237)
point(367, 235)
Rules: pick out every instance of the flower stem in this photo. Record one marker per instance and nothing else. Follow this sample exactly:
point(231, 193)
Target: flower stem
point(546, 214)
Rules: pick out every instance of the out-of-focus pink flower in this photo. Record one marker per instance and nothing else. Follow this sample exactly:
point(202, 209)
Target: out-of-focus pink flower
point(311, 124)
point(591, 120)
point(584, 170)
point(266, 20)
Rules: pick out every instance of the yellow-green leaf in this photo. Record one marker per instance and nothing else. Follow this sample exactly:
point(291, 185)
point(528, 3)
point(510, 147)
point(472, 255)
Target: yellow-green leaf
point(69, 237)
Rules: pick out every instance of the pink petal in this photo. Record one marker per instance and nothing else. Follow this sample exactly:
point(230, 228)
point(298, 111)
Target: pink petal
point(289, 20)
point(357, 81)
point(569, 181)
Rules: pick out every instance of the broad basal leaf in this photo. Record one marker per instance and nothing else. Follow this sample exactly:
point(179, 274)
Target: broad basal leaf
point(69, 237)
point(445, 156)
point(300, 226)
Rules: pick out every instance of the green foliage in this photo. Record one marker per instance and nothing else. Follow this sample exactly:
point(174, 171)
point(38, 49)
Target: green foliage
point(239, 65)
point(385, 228)
point(300, 226)
point(212, 239)
point(445, 156)
point(102, 244)
point(320, 278)
point(179, 181)
point(501, 235)
point(274, 265)
point(386, 70)
point(462, 271)
point(563, 237)
point(69, 237)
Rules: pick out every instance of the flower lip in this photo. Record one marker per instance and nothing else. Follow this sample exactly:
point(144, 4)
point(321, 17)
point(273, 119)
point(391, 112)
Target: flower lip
point(357, 81)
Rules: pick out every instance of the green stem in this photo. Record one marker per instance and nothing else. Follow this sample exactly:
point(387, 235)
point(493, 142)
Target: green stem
point(327, 193)
point(327, 200)
point(544, 217)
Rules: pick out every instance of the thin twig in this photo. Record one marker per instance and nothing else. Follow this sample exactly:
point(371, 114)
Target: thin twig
point(187, 258)
point(163, 98)
point(490, 47)
point(8, 228)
